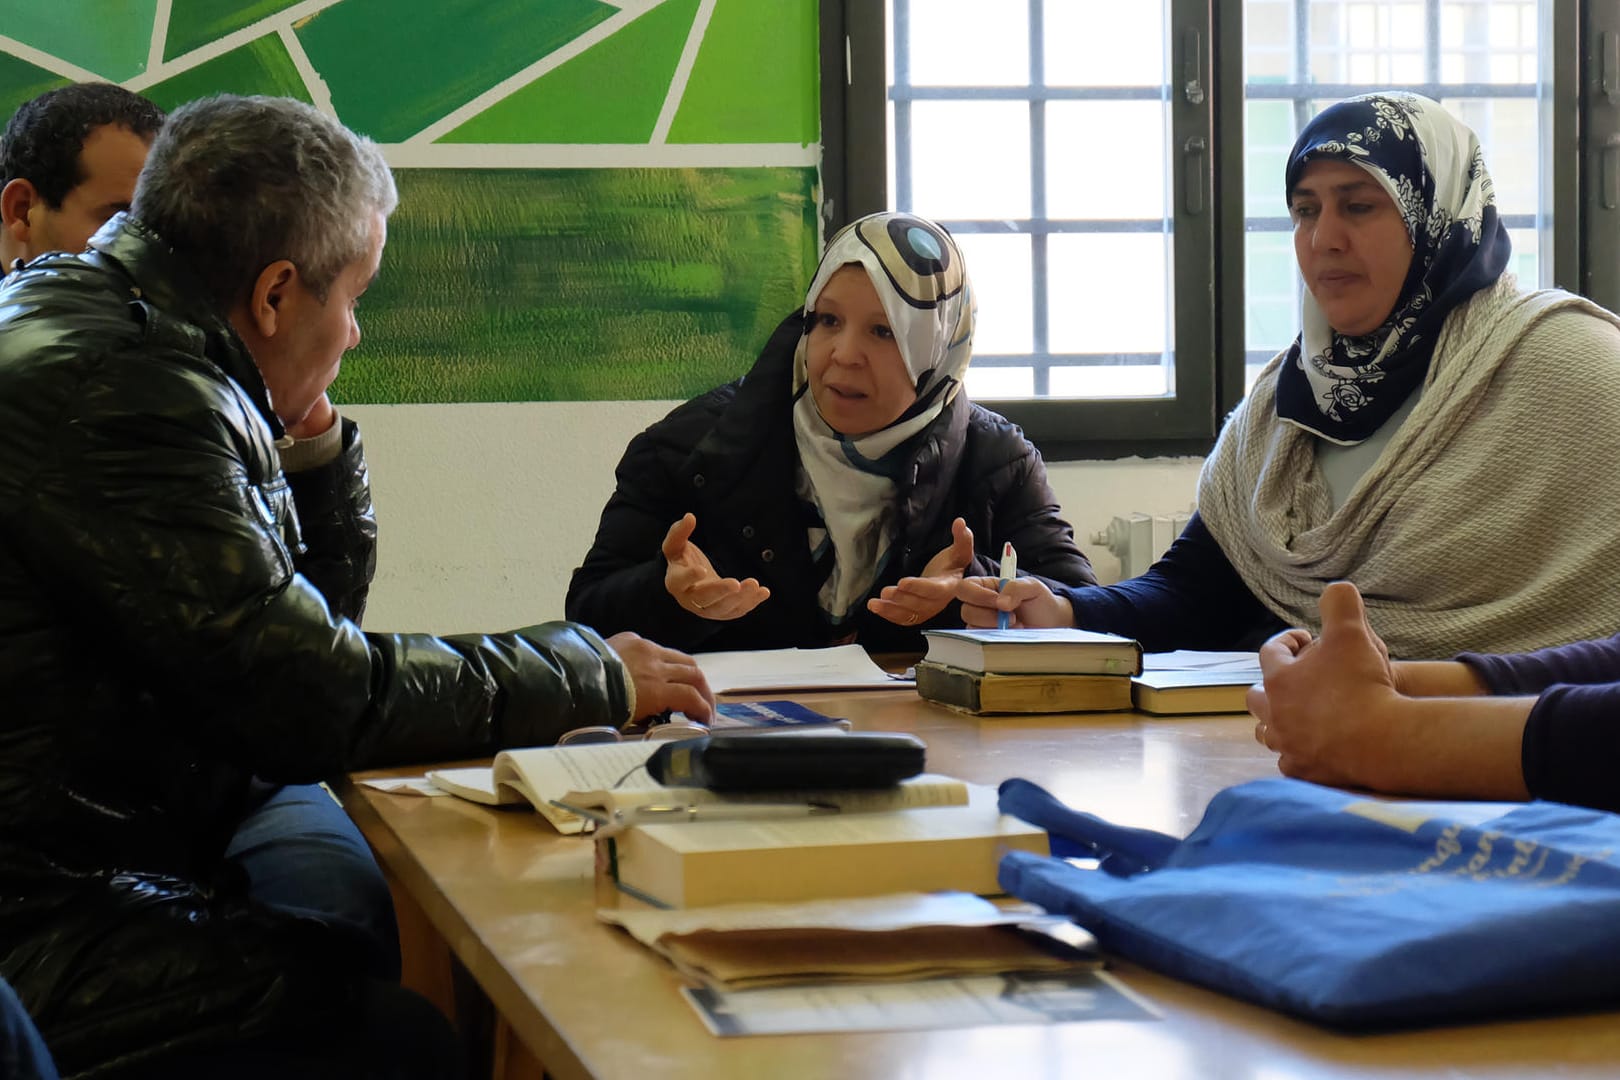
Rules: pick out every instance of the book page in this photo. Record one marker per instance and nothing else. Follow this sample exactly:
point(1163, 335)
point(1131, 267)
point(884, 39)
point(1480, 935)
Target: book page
point(544, 773)
point(979, 818)
point(843, 667)
point(894, 911)
point(927, 789)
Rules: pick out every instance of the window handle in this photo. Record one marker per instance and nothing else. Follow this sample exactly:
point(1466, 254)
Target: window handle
point(1192, 172)
point(1609, 65)
point(1192, 67)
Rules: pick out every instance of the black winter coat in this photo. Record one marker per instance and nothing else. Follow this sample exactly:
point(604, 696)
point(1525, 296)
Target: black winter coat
point(730, 458)
point(158, 648)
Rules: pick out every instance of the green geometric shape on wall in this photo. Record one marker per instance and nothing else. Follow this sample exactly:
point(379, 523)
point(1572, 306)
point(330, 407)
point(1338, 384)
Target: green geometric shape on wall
point(580, 284)
point(610, 93)
point(262, 66)
point(392, 75)
point(194, 23)
point(757, 76)
point(21, 81)
point(108, 38)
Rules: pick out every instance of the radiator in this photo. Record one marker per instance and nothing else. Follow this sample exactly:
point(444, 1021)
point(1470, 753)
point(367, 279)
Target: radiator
point(1136, 540)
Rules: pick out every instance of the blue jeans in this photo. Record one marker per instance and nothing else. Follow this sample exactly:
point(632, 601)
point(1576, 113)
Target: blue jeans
point(303, 855)
point(22, 1052)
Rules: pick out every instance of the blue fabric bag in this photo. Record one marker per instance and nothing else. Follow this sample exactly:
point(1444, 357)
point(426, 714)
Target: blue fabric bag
point(1345, 909)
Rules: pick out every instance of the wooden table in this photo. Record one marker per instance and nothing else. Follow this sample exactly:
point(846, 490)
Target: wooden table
point(515, 902)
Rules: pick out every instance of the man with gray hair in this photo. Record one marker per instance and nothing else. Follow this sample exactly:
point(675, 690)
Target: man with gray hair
point(163, 640)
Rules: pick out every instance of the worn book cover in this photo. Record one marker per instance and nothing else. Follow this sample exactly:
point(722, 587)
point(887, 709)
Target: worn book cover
point(979, 693)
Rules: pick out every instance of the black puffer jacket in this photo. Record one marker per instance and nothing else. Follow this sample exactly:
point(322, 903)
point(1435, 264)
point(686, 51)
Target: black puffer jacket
point(730, 458)
point(158, 649)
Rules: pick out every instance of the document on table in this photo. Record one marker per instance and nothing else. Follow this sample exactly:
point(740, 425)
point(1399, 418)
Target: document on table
point(842, 667)
point(929, 1004)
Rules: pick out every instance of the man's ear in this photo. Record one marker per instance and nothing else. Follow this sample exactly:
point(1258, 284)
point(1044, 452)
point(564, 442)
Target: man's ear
point(270, 291)
point(16, 200)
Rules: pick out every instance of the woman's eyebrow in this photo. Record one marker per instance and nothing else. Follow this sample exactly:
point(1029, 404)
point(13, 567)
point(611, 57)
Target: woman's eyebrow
point(1337, 189)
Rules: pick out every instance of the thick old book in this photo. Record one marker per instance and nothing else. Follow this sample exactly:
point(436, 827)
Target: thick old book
point(980, 693)
point(1178, 692)
point(613, 776)
point(1058, 651)
point(698, 863)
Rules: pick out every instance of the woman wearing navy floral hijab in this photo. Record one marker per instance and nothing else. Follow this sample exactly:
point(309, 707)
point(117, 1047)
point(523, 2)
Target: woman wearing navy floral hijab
point(1445, 440)
point(1342, 384)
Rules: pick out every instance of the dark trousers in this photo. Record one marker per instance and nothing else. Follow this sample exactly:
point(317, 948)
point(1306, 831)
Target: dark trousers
point(303, 855)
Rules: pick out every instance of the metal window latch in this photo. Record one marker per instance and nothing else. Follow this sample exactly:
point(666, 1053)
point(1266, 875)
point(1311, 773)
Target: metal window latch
point(1192, 67)
point(1609, 65)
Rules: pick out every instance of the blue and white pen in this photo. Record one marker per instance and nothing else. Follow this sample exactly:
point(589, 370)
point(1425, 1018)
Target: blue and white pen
point(1009, 570)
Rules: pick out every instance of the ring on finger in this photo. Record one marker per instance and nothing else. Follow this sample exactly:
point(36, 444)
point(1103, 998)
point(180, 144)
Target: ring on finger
point(911, 620)
point(1261, 730)
point(699, 606)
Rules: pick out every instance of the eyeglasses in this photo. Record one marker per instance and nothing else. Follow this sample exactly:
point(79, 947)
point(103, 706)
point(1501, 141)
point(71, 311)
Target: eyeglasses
point(660, 728)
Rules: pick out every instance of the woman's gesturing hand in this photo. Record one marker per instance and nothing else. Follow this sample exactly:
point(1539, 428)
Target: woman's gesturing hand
point(693, 582)
point(914, 600)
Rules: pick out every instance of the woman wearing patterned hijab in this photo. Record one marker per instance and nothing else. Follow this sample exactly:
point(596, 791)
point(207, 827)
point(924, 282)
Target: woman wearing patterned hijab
point(1435, 435)
point(841, 489)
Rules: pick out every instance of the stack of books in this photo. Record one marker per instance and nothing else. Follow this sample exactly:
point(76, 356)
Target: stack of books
point(1028, 671)
point(1068, 670)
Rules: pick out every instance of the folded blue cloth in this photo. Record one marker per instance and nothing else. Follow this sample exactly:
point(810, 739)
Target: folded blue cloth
point(1346, 909)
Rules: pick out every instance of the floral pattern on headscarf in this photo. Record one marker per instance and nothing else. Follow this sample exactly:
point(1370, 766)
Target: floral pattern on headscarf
point(1344, 387)
point(848, 483)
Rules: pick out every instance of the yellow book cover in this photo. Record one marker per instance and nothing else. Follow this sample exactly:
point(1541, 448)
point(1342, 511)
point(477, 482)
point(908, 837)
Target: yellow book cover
point(698, 863)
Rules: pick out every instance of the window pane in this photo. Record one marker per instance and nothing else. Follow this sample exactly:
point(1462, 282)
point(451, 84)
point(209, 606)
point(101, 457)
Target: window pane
point(1271, 284)
point(1112, 381)
point(1106, 159)
point(1268, 135)
point(999, 267)
point(1087, 225)
point(949, 138)
point(1130, 52)
point(1268, 40)
point(949, 37)
point(985, 383)
point(1109, 292)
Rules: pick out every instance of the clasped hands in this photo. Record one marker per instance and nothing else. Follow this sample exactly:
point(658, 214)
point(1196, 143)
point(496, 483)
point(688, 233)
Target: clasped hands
point(697, 587)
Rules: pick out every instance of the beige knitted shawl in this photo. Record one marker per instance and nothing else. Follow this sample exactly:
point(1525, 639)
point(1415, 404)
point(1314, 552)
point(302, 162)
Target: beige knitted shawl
point(1490, 522)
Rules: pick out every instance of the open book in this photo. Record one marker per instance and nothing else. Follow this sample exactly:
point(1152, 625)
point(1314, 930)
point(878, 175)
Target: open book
point(612, 776)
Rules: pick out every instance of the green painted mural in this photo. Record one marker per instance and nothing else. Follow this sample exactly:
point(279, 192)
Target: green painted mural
point(599, 199)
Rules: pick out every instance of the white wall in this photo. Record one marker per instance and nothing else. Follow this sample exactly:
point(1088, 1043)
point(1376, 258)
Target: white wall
point(485, 510)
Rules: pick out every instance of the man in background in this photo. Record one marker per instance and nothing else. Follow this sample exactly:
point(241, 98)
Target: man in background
point(68, 162)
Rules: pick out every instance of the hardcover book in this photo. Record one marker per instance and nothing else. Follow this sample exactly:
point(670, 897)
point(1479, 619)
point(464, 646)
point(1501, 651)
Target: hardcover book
point(1057, 651)
point(699, 863)
point(981, 693)
point(1179, 692)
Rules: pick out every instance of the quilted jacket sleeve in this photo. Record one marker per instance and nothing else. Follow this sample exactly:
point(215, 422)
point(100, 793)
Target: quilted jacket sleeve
point(149, 492)
point(339, 526)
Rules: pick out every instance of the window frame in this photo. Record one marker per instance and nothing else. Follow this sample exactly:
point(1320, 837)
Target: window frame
point(1210, 349)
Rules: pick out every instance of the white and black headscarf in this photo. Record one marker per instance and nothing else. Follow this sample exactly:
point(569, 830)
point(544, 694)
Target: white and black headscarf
point(849, 482)
point(1344, 387)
